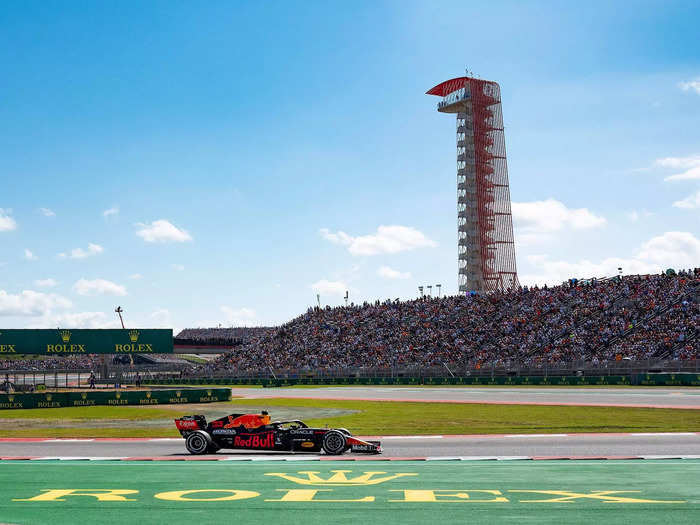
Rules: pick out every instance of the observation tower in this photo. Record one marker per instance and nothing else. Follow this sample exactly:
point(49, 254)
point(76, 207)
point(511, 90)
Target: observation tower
point(485, 246)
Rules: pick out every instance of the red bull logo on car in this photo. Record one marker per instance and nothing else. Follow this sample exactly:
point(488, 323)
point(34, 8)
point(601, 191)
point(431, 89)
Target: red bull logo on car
point(264, 440)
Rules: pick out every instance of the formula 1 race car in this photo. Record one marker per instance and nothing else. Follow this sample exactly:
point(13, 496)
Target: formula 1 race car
point(255, 432)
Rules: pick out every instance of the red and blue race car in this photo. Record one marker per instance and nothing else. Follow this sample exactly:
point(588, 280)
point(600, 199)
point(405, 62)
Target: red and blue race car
point(256, 432)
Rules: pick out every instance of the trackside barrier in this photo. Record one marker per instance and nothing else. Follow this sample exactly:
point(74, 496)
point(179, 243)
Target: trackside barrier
point(634, 379)
point(113, 398)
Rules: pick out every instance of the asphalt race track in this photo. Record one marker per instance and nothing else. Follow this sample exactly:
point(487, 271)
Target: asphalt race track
point(659, 397)
point(524, 446)
point(502, 446)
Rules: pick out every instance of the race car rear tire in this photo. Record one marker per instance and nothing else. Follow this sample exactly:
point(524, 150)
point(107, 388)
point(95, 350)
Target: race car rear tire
point(334, 442)
point(198, 442)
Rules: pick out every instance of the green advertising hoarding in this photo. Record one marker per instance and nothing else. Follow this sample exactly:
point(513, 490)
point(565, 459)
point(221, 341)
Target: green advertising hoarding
point(114, 398)
point(64, 341)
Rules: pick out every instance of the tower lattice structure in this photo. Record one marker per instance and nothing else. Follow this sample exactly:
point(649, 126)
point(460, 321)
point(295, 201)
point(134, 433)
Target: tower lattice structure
point(485, 245)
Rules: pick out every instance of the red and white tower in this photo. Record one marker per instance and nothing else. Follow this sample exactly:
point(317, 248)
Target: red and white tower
point(485, 246)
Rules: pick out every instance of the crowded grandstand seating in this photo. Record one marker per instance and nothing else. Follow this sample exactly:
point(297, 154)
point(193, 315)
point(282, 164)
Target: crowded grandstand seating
point(636, 317)
point(593, 321)
point(227, 337)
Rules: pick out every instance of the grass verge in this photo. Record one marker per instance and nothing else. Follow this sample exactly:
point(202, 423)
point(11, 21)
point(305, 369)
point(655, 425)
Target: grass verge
point(368, 418)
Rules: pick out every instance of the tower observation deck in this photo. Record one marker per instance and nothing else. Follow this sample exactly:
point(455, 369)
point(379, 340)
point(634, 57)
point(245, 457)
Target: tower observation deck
point(485, 246)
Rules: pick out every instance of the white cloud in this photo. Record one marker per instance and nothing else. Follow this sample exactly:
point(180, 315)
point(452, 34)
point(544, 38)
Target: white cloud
point(690, 202)
point(390, 273)
point(76, 320)
point(239, 316)
point(114, 210)
point(47, 212)
point(28, 255)
point(136, 276)
point(633, 216)
point(7, 223)
point(79, 253)
point(670, 250)
point(693, 85)
point(536, 221)
point(98, 287)
point(160, 318)
point(177, 267)
point(30, 303)
point(387, 239)
point(325, 287)
point(45, 283)
point(551, 215)
point(690, 166)
point(162, 231)
point(233, 317)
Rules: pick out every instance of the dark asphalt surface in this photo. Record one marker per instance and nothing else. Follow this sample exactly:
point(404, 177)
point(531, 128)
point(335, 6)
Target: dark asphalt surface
point(406, 446)
point(680, 397)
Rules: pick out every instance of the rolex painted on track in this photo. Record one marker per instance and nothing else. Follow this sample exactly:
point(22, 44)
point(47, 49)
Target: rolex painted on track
point(255, 432)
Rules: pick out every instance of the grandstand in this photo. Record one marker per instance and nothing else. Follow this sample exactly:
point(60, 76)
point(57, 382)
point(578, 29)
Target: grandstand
point(645, 322)
point(646, 317)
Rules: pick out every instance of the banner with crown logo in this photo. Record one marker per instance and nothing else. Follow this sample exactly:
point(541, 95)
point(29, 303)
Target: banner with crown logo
point(69, 341)
point(113, 398)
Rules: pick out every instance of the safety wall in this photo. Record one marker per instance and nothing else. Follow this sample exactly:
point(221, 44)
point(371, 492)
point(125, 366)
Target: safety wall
point(635, 379)
point(113, 398)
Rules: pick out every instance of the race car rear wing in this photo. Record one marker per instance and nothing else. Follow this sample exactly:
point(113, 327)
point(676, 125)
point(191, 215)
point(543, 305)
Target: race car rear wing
point(189, 423)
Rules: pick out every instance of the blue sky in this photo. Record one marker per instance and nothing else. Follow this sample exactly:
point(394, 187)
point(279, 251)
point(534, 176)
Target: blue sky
point(222, 162)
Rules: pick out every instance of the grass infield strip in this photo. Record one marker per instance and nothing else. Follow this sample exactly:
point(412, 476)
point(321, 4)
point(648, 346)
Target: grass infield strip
point(572, 492)
point(361, 417)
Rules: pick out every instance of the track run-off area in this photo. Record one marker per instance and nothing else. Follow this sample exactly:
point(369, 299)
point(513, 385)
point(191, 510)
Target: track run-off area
point(66, 492)
point(655, 397)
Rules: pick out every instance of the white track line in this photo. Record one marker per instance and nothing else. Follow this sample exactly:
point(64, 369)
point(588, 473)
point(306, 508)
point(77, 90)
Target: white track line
point(536, 435)
point(318, 458)
point(409, 437)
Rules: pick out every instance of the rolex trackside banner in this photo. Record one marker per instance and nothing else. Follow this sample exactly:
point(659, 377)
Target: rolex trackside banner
point(65, 341)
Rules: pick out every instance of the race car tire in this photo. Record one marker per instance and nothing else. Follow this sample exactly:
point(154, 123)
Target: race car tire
point(334, 442)
point(198, 442)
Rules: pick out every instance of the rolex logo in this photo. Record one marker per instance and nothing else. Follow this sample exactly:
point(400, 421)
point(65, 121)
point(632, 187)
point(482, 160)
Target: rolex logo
point(339, 478)
point(133, 335)
point(48, 397)
point(209, 393)
point(178, 393)
point(10, 398)
point(65, 335)
point(83, 395)
point(148, 394)
point(118, 395)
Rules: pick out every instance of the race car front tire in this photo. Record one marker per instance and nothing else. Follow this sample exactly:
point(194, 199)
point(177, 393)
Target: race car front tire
point(198, 442)
point(334, 442)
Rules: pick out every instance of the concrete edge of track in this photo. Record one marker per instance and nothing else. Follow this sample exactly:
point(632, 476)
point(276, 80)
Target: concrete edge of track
point(470, 402)
point(342, 458)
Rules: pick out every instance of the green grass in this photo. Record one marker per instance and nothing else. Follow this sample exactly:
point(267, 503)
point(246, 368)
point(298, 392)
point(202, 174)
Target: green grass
point(657, 482)
point(91, 413)
point(379, 418)
point(370, 418)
